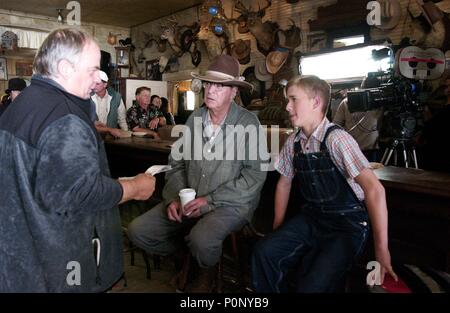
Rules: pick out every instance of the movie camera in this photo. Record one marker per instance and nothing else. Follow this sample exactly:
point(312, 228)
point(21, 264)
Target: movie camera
point(402, 97)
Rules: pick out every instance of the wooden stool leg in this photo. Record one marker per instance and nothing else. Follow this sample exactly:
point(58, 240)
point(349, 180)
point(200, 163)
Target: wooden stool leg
point(220, 275)
point(147, 265)
point(132, 248)
point(157, 261)
point(237, 260)
point(183, 276)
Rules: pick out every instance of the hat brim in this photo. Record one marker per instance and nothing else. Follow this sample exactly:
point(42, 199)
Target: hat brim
point(227, 82)
point(274, 68)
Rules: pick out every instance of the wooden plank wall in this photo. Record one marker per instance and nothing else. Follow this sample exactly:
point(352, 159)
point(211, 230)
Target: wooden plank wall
point(281, 12)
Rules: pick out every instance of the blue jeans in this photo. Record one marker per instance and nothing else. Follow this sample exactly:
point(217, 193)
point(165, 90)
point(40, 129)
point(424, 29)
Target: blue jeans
point(320, 247)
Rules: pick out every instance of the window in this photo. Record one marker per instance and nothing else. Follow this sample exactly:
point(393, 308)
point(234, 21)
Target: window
point(348, 41)
point(345, 65)
point(190, 100)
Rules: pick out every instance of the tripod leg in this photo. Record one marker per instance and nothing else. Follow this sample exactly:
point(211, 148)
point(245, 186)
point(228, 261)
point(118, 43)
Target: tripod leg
point(415, 158)
point(405, 156)
point(389, 156)
point(385, 154)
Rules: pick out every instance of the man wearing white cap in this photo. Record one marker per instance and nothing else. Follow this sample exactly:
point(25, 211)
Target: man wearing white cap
point(110, 109)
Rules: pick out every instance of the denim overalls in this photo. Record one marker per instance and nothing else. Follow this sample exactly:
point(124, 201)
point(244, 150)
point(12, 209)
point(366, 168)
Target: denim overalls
point(323, 240)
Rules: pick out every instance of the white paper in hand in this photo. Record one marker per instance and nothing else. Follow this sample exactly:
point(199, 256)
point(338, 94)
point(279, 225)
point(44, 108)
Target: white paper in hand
point(155, 169)
point(152, 170)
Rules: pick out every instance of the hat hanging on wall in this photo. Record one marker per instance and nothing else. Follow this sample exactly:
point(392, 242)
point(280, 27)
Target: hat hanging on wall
point(431, 12)
point(391, 13)
point(186, 39)
point(276, 59)
point(9, 41)
point(261, 72)
point(242, 25)
point(112, 38)
point(241, 51)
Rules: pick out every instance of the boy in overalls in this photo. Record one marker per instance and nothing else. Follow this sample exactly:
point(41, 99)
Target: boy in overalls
point(340, 191)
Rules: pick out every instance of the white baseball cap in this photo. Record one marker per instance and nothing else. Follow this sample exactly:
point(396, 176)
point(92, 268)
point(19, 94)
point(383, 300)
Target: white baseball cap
point(103, 76)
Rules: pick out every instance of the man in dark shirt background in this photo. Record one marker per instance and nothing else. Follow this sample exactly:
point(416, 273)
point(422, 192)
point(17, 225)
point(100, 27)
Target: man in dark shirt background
point(15, 87)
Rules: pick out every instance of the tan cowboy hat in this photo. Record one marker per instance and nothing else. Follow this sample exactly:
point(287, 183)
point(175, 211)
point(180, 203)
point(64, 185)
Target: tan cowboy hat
point(224, 69)
point(241, 51)
point(391, 13)
point(276, 59)
point(261, 72)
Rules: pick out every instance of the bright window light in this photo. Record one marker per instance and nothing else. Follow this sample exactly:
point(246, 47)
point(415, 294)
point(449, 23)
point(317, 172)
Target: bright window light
point(344, 65)
point(190, 100)
point(348, 41)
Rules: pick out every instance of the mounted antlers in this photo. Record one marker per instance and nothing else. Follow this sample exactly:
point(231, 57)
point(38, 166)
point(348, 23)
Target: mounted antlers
point(244, 11)
point(182, 39)
point(150, 38)
point(264, 33)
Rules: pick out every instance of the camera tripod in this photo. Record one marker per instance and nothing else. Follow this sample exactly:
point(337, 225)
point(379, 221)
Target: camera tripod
point(408, 149)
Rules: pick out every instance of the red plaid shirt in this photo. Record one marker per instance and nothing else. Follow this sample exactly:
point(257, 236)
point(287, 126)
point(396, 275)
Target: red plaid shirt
point(344, 152)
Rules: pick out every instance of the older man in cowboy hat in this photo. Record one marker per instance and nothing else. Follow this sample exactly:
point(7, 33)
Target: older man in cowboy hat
point(227, 187)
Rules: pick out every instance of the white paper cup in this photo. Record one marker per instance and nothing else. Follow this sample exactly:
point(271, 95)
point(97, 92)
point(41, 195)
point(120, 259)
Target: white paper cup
point(186, 195)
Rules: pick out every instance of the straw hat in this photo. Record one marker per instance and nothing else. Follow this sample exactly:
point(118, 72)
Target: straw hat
point(276, 59)
point(224, 69)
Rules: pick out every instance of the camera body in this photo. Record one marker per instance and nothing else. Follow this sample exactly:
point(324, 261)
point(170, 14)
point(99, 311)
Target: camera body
point(400, 98)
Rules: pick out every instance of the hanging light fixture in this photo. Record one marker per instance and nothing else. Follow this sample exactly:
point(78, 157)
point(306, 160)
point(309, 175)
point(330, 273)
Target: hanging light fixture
point(60, 17)
point(218, 20)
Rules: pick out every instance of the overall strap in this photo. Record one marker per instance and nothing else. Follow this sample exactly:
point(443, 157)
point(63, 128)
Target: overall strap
point(323, 148)
point(323, 145)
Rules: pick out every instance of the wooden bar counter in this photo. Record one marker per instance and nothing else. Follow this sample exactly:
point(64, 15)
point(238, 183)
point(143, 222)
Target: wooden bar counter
point(134, 155)
point(419, 215)
point(418, 201)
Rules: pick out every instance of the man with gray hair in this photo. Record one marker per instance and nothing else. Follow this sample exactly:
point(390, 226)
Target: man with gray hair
point(61, 229)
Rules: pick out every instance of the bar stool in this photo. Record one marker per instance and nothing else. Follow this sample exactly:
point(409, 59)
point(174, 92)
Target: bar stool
point(239, 263)
point(132, 249)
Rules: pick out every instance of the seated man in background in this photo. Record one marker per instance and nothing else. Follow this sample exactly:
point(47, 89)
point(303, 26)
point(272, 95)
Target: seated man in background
point(159, 119)
point(110, 109)
point(363, 126)
point(170, 120)
point(227, 180)
point(15, 87)
point(140, 115)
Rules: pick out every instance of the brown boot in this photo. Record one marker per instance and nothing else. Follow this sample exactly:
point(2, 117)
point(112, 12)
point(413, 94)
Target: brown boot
point(204, 282)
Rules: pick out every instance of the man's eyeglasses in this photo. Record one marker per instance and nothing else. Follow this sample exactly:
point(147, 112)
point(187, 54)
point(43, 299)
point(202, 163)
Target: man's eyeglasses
point(219, 87)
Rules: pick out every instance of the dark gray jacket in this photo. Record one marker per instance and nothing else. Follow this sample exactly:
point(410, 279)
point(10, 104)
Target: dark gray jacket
point(56, 196)
point(229, 171)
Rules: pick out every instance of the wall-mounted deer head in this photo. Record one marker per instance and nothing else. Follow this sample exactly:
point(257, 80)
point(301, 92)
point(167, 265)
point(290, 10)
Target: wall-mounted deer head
point(264, 33)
